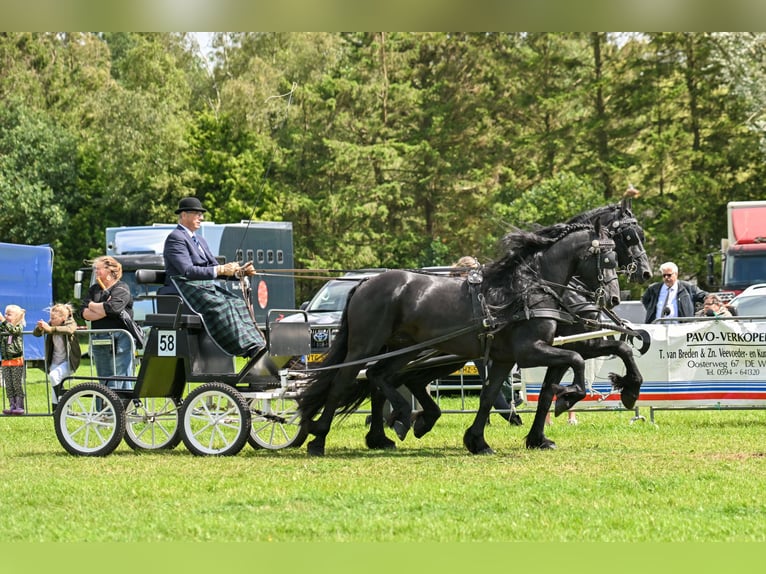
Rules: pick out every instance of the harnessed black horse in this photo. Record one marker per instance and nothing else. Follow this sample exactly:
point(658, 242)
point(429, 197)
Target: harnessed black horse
point(628, 237)
point(399, 313)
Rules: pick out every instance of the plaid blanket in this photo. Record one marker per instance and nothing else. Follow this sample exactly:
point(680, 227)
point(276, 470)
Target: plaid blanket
point(224, 314)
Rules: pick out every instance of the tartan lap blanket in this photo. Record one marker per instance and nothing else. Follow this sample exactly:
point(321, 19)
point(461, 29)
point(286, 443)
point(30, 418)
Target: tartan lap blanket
point(224, 315)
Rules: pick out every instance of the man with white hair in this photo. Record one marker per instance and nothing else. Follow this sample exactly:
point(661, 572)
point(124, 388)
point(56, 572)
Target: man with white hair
point(671, 297)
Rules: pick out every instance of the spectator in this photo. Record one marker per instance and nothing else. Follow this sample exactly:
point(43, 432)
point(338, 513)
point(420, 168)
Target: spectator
point(713, 307)
point(62, 348)
point(12, 355)
point(671, 297)
point(106, 298)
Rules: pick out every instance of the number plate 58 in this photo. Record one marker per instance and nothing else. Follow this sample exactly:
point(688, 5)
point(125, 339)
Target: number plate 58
point(166, 343)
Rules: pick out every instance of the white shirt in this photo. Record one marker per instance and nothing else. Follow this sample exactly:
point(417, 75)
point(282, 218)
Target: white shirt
point(672, 301)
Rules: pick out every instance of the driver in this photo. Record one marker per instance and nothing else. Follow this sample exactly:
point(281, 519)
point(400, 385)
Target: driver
point(187, 255)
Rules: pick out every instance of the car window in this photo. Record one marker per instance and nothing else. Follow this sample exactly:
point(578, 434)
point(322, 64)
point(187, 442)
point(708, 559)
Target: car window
point(750, 306)
point(331, 297)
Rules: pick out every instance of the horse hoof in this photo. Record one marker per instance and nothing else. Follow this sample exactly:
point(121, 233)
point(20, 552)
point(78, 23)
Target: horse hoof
point(566, 401)
point(515, 420)
point(380, 443)
point(315, 450)
point(544, 445)
point(400, 429)
point(485, 451)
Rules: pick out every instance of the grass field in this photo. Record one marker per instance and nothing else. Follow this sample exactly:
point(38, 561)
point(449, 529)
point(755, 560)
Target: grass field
point(695, 477)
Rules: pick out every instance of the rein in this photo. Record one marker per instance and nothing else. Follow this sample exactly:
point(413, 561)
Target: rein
point(402, 351)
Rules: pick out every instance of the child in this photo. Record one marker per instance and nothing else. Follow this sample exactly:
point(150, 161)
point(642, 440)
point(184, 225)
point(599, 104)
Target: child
point(12, 355)
point(62, 349)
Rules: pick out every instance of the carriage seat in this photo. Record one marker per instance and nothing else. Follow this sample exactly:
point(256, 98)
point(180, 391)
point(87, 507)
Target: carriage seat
point(168, 321)
point(150, 276)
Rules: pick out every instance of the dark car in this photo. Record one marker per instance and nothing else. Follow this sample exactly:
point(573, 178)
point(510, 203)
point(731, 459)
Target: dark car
point(324, 311)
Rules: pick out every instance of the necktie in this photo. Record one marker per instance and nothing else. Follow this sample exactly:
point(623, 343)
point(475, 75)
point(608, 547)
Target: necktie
point(665, 310)
point(197, 243)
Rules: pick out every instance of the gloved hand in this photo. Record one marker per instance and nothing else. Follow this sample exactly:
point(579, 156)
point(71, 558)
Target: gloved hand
point(228, 270)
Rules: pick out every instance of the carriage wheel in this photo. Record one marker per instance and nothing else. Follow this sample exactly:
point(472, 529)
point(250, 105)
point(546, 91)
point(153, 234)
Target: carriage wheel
point(151, 423)
point(276, 423)
point(90, 420)
point(215, 420)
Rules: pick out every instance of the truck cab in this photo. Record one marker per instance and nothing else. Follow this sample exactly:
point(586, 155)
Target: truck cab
point(743, 251)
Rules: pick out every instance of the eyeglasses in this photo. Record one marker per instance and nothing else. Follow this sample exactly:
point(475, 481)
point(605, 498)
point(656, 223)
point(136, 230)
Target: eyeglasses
point(667, 275)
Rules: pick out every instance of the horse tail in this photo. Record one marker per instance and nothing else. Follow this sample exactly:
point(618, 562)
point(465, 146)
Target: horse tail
point(314, 395)
point(354, 398)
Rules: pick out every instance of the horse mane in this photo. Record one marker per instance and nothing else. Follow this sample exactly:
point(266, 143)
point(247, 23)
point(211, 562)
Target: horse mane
point(516, 274)
point(593, 214)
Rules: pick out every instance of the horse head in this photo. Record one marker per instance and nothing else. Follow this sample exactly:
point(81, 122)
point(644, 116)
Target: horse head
point(597, 268)
point(627, 234)
point(629, 240)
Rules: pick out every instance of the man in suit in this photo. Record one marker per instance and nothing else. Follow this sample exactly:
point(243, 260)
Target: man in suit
point(187, 255)
point(189, 258)
point(671, 297)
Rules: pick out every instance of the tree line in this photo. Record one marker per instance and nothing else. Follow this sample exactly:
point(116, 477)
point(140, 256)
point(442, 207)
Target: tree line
point(383, 149)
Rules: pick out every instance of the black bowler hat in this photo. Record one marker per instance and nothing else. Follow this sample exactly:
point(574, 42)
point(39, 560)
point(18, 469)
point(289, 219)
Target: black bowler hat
point(190, 204)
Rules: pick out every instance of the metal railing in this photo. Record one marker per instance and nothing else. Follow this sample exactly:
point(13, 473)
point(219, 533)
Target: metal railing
point(38, 392)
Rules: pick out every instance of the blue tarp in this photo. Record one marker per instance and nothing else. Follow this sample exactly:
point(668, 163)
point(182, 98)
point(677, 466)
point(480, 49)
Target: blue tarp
point(26, 280)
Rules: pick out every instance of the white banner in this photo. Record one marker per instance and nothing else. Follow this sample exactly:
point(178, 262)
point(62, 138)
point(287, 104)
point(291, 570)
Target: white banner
point(699, 363)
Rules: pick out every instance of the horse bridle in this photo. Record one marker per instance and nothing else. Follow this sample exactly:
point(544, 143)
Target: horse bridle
point(628, 231)
point(603, 250)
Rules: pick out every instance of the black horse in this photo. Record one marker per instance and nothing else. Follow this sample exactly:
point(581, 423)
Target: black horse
point(398, 313)
point(628, 236)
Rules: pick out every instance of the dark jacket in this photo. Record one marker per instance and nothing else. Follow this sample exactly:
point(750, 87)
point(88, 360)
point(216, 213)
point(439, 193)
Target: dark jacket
point(688, 295)
point(11, 341)
point(183, 258)
point(115, 299)
point(67, 331)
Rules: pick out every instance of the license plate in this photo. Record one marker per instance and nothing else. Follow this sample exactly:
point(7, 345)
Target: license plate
point(467, 370)
point(315, 357)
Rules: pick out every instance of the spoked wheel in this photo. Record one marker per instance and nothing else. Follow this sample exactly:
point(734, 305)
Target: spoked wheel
point(151, 423)
point(90, 420)
point(215, 420)
point(276, 422)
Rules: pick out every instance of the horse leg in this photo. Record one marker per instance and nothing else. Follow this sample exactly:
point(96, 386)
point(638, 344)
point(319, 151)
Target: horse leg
point(536, 437)
point(629, 385)
point(425, 419)
point(376, 437)
point(569, 395)
point(383, 376)
point(321, 426)
point(417, 382)
point(473, 438)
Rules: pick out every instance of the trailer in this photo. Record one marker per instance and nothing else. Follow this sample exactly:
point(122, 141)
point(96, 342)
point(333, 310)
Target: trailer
point(268, 244)
point(26, 280)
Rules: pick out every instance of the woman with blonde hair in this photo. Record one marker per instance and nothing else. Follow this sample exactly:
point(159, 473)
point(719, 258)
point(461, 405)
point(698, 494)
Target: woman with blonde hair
point(12, 354)
point(113, 346)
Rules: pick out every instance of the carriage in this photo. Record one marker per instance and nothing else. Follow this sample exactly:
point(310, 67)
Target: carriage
point(188, 390)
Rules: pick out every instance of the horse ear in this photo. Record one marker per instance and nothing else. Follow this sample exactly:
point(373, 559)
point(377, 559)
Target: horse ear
point(627, 198)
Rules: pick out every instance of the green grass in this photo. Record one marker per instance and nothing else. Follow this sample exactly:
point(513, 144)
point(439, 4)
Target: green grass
point(696, 477)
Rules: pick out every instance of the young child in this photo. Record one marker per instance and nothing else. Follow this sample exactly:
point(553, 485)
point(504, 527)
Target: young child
point(62, 349)
point(12, 355)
